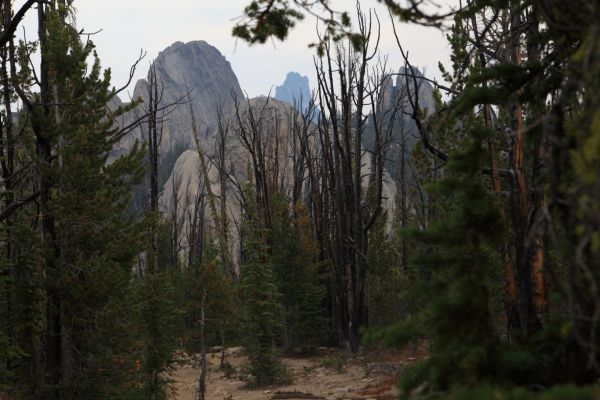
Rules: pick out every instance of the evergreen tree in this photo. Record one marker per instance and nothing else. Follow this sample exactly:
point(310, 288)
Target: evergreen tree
point(76, 250)
point(456, 319)
point(21, 273)
point(98, 243)
point(160, 318)
point(220, 303)
point(212, 308)
point(262, 309)
point(294, 263)
point(27, 309)
point(384, 276)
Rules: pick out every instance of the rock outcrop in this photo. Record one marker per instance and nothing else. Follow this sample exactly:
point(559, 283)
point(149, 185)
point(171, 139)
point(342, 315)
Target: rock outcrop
point(199, 71)
point(185, 187)
point(395, 93)
point(295, 90)
point(275, 119)
point(403, 85)
point(195, 68)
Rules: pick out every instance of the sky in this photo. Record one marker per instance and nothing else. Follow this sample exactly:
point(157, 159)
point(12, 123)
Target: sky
point(128, 26)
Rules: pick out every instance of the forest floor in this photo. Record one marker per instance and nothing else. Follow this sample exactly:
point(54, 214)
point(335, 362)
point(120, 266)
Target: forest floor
point(329, 375)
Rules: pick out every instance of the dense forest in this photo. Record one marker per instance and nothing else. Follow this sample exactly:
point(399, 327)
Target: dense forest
point(388, 210)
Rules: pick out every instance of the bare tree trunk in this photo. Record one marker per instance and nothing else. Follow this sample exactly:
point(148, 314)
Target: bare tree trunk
point(218, 225)
point(222, 337)
point(403, 201)
point(202, 377)
point(222, 136)
point(519, 200)
point(343, 165)
point(153, 145)
point(536, 225)
point(175, 234)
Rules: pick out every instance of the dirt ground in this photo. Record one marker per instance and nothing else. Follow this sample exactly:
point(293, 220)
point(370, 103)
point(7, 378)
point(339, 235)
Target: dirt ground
point(328, 375)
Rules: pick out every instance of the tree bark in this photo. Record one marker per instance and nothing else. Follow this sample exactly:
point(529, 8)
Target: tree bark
point(202, 376)
point(519, 200)
point(510, 284)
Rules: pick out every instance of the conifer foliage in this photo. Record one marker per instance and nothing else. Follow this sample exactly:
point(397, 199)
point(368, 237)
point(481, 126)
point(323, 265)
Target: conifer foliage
point(457, 318)
point(262, 307)
point(297, 276)
point(78, 258)
point(90, 268)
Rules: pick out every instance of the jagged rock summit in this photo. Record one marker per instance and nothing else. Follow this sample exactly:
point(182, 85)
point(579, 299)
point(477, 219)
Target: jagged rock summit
point(295, 90)
point(195, 67)
point(396, 85)
point(201, 68)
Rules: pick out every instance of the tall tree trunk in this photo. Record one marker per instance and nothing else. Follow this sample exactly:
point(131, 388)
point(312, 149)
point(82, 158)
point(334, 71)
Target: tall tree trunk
point(536, 226)
point(510, 284)
point(7, 154)
point(153, 144)
point(519, 200)
point(222, 135)
point(403, 201)
point(175, 224)
point(342, 89)
point(53, 343)
point(202, 376)
point(212, 203)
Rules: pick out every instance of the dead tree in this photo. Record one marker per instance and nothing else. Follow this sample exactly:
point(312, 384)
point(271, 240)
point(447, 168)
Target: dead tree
point(220, 160)
point(345, 92)
point(176, 220)
point(154, 139)
point(524, 262)
point(211, 197)
point(7, 160)
point(257, 129)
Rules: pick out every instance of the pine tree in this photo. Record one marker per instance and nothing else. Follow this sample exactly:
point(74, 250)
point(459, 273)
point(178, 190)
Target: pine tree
point(456, 318)
point(294, 263)
point(26, 318)
point(87, 244)
point(21, 273)
point(212, 309)
point(160, 320)
point(384, 276)
point(262, 309)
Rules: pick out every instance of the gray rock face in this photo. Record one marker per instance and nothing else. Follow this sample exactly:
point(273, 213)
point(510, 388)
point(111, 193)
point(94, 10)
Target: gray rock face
point(396, 91)
point(202, 69)
point(185, 182)
point(295, 90)
point(393, 90)
point(195, 67)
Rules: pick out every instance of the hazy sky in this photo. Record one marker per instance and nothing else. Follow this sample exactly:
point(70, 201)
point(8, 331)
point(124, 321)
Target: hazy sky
point(130, 25)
